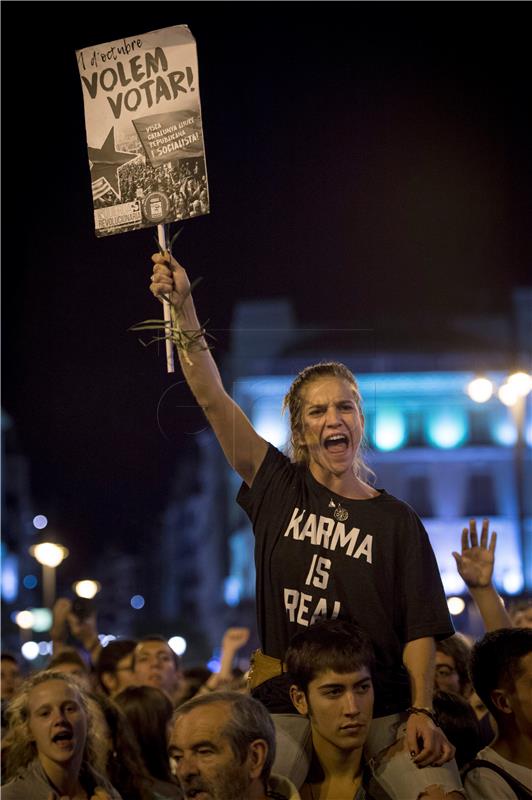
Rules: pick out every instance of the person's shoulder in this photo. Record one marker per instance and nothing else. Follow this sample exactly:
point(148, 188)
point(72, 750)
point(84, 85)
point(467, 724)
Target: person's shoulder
point(400, 509)
point(28, 782)
point(481, 781)
point(281, 788)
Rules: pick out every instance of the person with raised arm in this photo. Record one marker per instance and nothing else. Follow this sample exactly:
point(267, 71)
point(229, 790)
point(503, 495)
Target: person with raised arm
point(475, 566)
point(327, 543)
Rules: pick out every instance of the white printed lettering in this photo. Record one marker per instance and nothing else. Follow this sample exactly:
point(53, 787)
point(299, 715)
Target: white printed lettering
point(365, 549)
point(303, 608)
point(290, 602)
point(322, 575)
point(341, 538)
point(293, 526)
point(325, 528)
point(309, 531)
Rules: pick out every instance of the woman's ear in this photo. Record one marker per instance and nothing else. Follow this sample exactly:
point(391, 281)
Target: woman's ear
point(257, 755)
point(299, 699)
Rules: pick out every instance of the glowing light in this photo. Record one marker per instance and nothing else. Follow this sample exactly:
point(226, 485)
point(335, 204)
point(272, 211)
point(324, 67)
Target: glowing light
point(508, 394)
point(105, 638)
point(480, 390)
point(455, 605)
point(30, 650)
point(452, 582)
point(40, 522)
point(528, 434)
point(9, 578)
point(178, 644)
point(269, 423)
point(42, 619)
point(137, 602)
point(214, 665)
point(87, 589)
point(390, 429)
point(232, 590)
point(49, 554)
point(24, 620)
point(29, 581)
point(504, 432)
point(45, 648)
point(512, 581)
point(521, 383)
point(447, 428)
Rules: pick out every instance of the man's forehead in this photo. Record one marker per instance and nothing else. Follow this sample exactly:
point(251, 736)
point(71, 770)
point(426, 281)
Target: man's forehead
point(330, 677)
point(205, 723)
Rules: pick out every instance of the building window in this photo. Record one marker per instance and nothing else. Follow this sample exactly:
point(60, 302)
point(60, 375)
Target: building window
point(480, 496)
point(418, 495)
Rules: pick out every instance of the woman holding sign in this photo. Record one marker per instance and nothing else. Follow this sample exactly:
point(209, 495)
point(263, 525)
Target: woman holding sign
point(327, 544)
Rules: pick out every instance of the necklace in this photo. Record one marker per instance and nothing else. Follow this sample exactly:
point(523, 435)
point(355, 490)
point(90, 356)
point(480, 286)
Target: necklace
point(340, 513)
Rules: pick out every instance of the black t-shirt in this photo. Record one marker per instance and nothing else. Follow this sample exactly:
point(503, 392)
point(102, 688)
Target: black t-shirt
point(321, 555)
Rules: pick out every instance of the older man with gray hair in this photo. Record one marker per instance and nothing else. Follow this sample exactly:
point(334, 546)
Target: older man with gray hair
point(222, 747)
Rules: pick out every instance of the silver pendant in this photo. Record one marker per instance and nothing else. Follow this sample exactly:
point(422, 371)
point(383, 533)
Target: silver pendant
point(340, 513)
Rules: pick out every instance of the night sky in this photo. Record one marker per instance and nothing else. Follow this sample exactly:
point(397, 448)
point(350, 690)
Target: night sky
point(364, 159)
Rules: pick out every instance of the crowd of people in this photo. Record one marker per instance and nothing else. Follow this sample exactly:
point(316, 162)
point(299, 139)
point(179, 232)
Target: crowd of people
point(182, 181)
point(360, 690)
point(128, 721)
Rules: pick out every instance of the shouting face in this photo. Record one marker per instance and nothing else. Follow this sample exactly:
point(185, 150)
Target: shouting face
point(57, 722)
point(332, 426)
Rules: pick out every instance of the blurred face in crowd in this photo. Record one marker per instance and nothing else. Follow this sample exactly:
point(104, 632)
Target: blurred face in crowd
point(520, 697)
point(339, 706)
point(202, 757)
point(154, 665)
point(57, 723)
point(446, 678)
point(123, 674)
point(523, 618)
point(77, 671)
point(10, 678)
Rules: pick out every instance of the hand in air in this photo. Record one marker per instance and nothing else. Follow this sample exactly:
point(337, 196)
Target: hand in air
point(475, 563)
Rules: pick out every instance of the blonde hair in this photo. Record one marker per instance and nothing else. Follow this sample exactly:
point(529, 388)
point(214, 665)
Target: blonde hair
point(293, 402)
point(21, 749)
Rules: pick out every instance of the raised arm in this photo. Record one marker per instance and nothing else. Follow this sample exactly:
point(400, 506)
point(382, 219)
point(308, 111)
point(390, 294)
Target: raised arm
point(242, 445)
point(475, 565)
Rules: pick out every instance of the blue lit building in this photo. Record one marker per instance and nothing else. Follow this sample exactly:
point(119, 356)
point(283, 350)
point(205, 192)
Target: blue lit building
point(429, 444)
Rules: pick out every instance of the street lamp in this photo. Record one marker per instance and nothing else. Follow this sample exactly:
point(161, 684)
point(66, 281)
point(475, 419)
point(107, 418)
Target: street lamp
point(87, 588)
point(50, 555)
point(512, 393)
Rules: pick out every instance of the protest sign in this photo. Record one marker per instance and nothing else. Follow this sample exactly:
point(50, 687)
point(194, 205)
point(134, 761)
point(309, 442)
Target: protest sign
point(144, 130)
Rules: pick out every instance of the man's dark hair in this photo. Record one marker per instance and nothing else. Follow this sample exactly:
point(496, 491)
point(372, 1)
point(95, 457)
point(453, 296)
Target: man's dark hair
point(5, 656)
point(67, 657)
point(110, 655)
point(457, 648)
point(329, 644)
point(459, 723)
point(495, 662)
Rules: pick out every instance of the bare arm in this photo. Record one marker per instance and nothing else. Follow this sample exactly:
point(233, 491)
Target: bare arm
point(426, 742)
point(475, 565)
point(242, 445)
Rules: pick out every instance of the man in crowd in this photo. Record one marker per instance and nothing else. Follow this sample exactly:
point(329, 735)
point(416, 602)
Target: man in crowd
point(222, 747)
point(330, 664)
point(114, 667)
point(501, 670)
point(156, 664)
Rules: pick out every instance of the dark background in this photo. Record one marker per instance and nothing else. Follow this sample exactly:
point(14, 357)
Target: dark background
point(366, 160)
